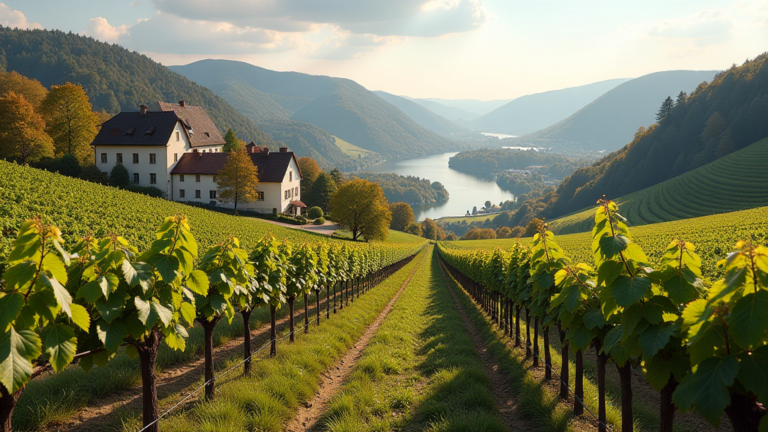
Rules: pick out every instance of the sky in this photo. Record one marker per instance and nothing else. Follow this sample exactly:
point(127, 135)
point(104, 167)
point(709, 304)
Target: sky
point(452, 49)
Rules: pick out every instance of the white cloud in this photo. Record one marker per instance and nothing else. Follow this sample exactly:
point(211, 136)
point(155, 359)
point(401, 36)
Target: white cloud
point(99, 28)
point(707, 27)
point(15, 19)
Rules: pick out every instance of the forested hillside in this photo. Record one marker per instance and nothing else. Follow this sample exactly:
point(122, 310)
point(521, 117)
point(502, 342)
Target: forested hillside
point(114, 78)
point(340, 106)
point(609, 122)
point(495, 160)
point(410, 189)
point(533, 112)
point(422, 116)
point(717, 119)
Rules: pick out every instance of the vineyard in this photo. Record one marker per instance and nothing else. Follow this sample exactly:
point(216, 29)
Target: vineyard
point(731, 183)
point(702, 346)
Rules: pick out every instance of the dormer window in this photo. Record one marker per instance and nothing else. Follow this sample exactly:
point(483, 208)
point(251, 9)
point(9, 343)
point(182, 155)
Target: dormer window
point(150, 131)
point(130, 131)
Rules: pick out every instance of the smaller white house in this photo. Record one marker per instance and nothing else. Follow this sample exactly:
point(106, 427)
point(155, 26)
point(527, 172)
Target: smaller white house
point(194, 179)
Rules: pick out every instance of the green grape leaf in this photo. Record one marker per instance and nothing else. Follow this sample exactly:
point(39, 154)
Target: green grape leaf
point(60, 343)
point(679, 289)
point(53, 265)
point(580, 338)
point(108, 284)
point(198, 282)
point(609, 271)
point(10, 306)
point(593, 318)
point(631, 317)
point(748, 321)
point(137, 274)
point(655, 338)
point(90, 292)
point(19, 275)
point(612, 339)
point(166, 265)
point(86, 363)
point(629, 290)
point(17, 351)
point(611, 246)
point(150, 311)
point(63, 298)
point(657, 372)
point(188, 312)
point(708, 386)
point(111, 335)
point(80, 316)
point(111, 309)
point(753, 372)
point(131, 351)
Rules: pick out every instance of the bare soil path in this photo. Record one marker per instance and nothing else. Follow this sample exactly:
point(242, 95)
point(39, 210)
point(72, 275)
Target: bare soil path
point(309, 413)
point(102, 414)
point(502, 393)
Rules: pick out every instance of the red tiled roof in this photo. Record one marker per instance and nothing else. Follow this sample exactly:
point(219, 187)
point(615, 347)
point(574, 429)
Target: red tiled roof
point(204, 131)
point(272, 166)
point(132, 128)
point(297, 203)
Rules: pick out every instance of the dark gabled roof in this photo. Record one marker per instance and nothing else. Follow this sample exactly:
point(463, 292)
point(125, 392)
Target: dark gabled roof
point(204, 131)
point(272, 166)
point(132, 128)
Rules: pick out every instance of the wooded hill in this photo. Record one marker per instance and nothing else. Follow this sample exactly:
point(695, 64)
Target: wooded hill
point(717, 119)
point(340, 106)
point(408, 189)
point(422, 116)
point(610, 121)
point(533, 112)
point(114, 78)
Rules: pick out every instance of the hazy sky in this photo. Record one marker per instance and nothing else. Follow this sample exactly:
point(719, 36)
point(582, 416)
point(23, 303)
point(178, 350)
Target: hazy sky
point(478, 49)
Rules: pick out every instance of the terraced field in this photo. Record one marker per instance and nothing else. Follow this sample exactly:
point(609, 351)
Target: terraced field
point(714, 236)
point(735, 182)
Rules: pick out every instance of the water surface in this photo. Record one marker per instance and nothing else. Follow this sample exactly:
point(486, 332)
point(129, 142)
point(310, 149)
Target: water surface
point(465, 190)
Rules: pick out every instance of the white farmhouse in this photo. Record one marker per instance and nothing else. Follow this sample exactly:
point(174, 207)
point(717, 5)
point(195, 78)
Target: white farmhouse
point(177, 149)
point(194, 179)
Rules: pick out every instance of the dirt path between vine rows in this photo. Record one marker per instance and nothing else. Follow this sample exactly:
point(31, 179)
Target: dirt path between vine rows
point(333, 378)
point(100, 415)
point(502, 393)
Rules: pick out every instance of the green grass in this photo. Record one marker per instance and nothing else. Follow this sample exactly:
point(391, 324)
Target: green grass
point(56, 397)
point(269, 398)
point(352, 150)
point(714, 236)
point(419, 372)
point(468, 219)
point(394, 236)
point(731, 183)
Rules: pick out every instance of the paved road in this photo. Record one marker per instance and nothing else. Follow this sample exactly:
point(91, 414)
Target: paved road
point(326, 229)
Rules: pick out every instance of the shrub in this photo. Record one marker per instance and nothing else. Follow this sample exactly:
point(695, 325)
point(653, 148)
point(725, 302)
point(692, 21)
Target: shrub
point(93, 174)
point(119, 177)
point(67, 165)
point(301, 219)
point(319, 221)
point(147, 190)
point(315, 212)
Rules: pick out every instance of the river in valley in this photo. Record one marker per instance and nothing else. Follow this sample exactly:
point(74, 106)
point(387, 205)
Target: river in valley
point(465, 190)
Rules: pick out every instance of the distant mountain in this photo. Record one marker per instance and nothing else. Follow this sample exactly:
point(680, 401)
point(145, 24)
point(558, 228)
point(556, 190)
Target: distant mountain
point(456, 115)
point(611, 120)
point(114, 78)
point(480, 107)
point(422, 116)
point(717, 119)
point(340, 106)
point(533, 112)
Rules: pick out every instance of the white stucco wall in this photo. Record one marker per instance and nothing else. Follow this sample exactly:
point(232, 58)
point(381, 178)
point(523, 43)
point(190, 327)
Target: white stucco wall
point(165, 160)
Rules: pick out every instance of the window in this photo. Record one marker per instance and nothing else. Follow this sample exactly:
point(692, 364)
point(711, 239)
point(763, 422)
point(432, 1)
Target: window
point(103, 158)
point(135, 178)
point(182, 193)
point(287, 194)
point(177, 135)
point(212, 194)
point(259, 196)
point(135, 158)
point(197, 194)
point(175, 157)
point(214, 179)
point(197, 178)
point(152, 158)
point(290, 176)
point(181, 178)
point(153, 178)
point(119, 158)
point(296, 191)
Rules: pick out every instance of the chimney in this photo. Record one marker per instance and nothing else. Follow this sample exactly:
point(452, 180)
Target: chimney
point(283, 149)
point(143, 109)
point(197, 153)
point(265, 150)
point(182, 104)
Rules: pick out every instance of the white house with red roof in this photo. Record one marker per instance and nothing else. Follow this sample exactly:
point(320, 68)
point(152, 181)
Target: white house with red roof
point(177, 149)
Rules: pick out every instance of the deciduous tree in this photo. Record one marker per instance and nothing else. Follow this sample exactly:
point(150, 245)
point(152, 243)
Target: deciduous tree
point(309, 172)
point(402, 215)
point(360, 206)
point(238, 179)
point(414, 228)
point(70, 120)
point(31, 89)
point(22, 131)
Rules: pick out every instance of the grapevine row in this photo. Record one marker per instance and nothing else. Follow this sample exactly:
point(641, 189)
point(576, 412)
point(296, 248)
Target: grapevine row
point(86, 303)
point(704, 348)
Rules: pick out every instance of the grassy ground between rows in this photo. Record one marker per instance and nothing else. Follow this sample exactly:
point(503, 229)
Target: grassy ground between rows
point(269, 398)
point(419, 372)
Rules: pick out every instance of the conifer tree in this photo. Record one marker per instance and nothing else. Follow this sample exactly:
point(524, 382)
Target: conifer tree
point(666, 109)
